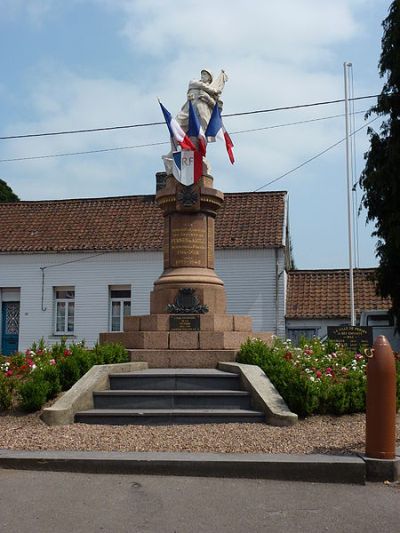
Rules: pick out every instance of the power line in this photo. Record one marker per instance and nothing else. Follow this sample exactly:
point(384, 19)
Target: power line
point(313, 157)
point(102, 150)
point(47, 156)
point(146, 124)
point(297, 106)
point(293, 123)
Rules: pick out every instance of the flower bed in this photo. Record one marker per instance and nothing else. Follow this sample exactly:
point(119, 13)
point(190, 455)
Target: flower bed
point(315, 377)
point(28, 380)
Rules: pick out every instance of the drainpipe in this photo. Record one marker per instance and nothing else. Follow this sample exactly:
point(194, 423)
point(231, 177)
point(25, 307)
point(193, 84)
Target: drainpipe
point(277, 278)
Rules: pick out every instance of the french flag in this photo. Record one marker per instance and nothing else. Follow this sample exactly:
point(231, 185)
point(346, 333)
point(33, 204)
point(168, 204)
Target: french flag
point(176, 132)
point(195, 129)
point(216, 129)
point(187, 166)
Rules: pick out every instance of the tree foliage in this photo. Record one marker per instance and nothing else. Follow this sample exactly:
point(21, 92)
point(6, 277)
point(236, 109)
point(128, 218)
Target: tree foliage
point(6, 193)
point(380, 179)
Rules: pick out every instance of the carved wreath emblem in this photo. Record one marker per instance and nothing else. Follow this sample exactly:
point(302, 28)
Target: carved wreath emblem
point(187, 196)
point(187, 302)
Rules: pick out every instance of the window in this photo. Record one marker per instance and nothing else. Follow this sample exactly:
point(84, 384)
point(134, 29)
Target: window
point(64, 309)
point(120, 306)
point(379, 320)
point(295, 334)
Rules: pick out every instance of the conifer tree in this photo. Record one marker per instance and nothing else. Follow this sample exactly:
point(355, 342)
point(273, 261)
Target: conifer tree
point(6, 193)
point(380, 179)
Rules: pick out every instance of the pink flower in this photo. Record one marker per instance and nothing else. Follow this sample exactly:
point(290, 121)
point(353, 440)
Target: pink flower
point(9, 373)
point(318, 373)
point(358, 357)
point(52, 362)
point(308, 351)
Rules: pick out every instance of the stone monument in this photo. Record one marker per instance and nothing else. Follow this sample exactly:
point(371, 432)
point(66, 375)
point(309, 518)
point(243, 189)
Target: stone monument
point(188, 325)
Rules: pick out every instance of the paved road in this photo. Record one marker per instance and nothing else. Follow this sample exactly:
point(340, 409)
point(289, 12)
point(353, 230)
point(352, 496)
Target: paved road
point(65, 502)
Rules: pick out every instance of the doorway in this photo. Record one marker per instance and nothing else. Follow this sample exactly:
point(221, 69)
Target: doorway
point(9, 327)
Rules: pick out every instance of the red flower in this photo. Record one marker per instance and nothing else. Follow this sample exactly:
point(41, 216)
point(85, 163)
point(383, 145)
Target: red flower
point(9, 373)
point(288, 356)
point(318, 373)
point(67, 353)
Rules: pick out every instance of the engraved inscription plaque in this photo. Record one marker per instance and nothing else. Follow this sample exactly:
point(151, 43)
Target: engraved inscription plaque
point(188, 241)
point(184, 323)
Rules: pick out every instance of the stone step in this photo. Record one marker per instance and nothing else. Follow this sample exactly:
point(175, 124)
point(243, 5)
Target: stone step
point(168, 416)
point(182, 358)
point(171, 399)
point(175, 379)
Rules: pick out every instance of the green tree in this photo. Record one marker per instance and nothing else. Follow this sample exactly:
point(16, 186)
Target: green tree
point(6, 193)
point(380, 179)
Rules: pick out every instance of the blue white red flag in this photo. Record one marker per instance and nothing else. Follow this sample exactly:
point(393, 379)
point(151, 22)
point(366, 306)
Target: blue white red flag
point(188, 166)
point(176, 132)
point(196, 130)
point(216, 130)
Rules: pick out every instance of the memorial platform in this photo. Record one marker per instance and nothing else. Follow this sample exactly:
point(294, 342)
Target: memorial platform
point(188, 325)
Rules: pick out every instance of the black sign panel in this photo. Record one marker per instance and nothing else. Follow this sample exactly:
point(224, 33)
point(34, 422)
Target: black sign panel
point(184, 322)
point(353, 337)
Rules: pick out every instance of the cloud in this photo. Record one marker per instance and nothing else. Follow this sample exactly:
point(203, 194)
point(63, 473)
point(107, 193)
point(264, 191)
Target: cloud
point(275, 55)
point(36, 11)
point(272, 30)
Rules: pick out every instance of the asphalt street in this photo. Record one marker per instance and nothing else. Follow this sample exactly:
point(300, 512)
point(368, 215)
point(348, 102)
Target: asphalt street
point(67, 502)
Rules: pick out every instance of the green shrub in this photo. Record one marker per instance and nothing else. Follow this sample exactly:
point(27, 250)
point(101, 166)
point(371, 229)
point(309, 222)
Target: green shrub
point(105, 354)
point(313, 378)
point(51, 375)
point(5, 392)
point(33, 394)
point(84, 358)
point(69, 372)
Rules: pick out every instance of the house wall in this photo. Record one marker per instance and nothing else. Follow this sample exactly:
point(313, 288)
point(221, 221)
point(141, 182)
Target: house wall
point(320, 325)
point(249, 277)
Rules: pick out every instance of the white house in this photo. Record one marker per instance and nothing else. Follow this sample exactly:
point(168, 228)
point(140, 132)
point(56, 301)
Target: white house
point(74, 267)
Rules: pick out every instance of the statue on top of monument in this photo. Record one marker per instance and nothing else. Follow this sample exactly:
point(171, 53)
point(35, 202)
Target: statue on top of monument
point(203, 94)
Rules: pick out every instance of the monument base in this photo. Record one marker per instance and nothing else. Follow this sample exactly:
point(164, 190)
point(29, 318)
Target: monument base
point(182, 358)
point(184, 340)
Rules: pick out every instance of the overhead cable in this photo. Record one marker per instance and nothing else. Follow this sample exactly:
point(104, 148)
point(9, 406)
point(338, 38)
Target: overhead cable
point(313, 157)
point(102, 150)
point(146, 124)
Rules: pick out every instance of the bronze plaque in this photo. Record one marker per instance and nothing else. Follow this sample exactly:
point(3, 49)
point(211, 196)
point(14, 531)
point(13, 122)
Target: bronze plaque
point(352, 337)
point(184, 323)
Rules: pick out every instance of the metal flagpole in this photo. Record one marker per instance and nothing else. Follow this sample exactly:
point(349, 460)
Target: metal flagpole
point(349, 194)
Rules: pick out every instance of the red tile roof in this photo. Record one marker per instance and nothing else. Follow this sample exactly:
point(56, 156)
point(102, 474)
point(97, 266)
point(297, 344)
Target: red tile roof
point(325, 293)
point(132, 223)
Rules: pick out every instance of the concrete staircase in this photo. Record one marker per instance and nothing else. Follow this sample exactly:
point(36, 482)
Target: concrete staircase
point(171, 396)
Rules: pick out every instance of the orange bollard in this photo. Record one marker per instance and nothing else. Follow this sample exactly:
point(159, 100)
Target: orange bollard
point(381, 401)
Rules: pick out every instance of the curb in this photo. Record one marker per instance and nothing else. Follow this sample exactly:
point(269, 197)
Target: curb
point(311, 468)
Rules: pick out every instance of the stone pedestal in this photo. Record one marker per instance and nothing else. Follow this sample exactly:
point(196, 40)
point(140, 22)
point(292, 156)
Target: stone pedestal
point(188, 325)
point(189, 228)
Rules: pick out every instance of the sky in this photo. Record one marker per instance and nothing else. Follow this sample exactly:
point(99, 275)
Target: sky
point(86, 64)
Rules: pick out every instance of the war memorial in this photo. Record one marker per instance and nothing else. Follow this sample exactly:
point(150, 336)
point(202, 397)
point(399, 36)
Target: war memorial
point(188, 325)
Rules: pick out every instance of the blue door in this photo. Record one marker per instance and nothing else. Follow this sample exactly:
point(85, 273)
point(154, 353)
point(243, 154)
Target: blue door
point(9, 327)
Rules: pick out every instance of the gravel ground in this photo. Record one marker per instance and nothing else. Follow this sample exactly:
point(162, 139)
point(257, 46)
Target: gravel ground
point(317, 434)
